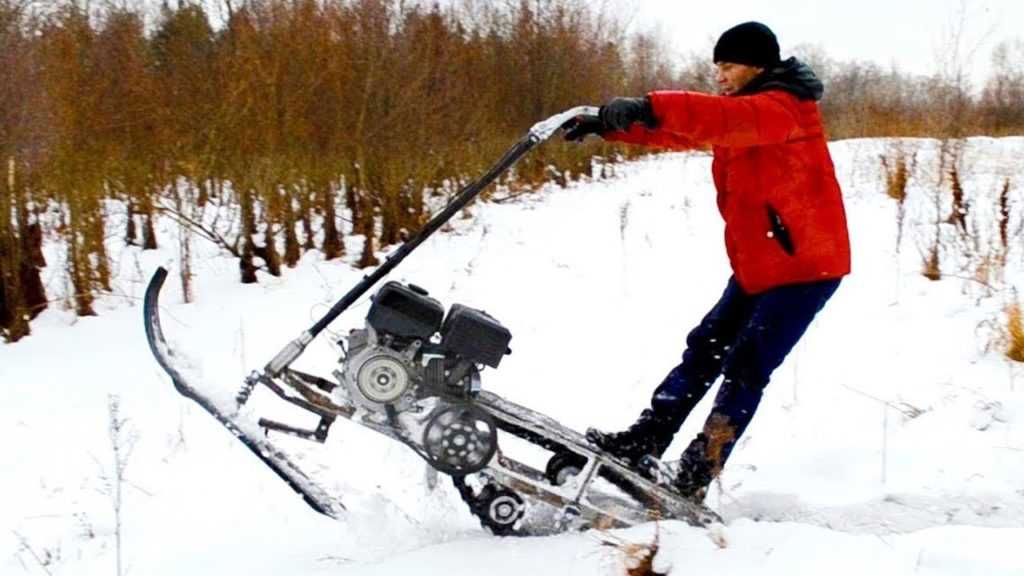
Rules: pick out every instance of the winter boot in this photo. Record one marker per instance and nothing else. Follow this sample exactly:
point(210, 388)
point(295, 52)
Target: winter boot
point(649, 435)
point(696, 470)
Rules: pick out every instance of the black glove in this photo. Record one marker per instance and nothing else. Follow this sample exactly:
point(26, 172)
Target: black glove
point(620, 113)
point(576, 129)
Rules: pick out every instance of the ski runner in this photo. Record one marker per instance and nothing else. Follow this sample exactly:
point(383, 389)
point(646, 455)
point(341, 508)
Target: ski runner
point(785, 234)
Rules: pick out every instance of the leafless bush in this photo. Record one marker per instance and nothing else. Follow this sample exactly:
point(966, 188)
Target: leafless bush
point(113, 483)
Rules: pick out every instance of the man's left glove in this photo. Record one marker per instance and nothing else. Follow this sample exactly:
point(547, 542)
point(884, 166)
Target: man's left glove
point(621, 113)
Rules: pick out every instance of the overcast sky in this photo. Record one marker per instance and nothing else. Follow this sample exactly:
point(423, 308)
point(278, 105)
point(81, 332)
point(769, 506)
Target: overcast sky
point(913, 34)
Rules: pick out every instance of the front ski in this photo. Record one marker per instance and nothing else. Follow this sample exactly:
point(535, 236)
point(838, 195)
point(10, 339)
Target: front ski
point(247, 433)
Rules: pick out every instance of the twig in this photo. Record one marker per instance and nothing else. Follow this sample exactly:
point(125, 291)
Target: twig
point(907, 410)
point(198, 228)
point(968, 278)
point(25, 546)
point(524, 191)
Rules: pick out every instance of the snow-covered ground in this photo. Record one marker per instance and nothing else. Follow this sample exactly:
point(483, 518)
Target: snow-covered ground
point(890, 442)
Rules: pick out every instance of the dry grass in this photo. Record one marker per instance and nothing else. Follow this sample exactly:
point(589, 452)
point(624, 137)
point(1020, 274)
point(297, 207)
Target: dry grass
point(958, 217)
point(638, 558)
point(897, 175)
point(898, 167)
point(987, 268)
point(931, 269)
point(1014, 332)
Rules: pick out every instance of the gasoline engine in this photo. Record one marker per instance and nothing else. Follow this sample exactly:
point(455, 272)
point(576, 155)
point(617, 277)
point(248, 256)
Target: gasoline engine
point(417, 370)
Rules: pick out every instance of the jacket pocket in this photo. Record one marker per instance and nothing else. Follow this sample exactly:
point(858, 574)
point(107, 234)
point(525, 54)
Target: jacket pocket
point(779, 231)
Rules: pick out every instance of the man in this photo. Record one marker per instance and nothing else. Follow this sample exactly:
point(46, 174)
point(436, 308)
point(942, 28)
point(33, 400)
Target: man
point(785, 234)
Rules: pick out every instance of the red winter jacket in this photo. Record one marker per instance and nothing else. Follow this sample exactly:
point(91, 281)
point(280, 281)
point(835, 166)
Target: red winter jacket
point(777, 189)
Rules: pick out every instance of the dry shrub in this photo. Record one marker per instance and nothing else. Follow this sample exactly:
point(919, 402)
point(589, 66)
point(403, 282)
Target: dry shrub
point(897, 175)
point(898, 167)
point(958, 217)
point(1004, 219)
point(638, 558)
point(988, 269)
point(931, 269)
point(1014, 332)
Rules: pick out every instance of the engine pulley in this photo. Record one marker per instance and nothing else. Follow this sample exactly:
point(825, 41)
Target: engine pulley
point(376, 377)
point(382, 379)
point(460, 439)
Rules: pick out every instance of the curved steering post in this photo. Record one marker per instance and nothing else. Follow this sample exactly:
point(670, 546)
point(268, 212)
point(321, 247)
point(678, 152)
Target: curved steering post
point(539, 133)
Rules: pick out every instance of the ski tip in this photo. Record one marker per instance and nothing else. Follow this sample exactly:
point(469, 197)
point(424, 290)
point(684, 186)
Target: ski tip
point(156, 282)
point(151, 320)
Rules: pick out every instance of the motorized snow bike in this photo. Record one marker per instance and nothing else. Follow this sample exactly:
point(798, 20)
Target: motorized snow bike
point(413, 374)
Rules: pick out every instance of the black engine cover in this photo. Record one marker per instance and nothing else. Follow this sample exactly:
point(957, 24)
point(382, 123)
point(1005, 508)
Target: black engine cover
point(475, 335)
point(405, 311)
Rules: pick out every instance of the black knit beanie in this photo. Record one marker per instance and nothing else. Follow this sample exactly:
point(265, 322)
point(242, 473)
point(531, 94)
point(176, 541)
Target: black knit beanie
point(750, 43)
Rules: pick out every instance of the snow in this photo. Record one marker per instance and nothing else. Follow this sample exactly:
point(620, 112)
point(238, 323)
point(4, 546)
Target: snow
point(890, 442)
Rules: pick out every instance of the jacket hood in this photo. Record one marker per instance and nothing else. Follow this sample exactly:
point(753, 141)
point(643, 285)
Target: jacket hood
point(791, 76)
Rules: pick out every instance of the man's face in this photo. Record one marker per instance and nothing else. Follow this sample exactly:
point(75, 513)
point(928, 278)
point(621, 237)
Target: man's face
point(732, 77)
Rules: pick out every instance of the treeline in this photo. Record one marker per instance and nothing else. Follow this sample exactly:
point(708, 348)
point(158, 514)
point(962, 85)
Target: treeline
point(301, 120)
point(296, 122)
point(866, 100)
point(863, 99)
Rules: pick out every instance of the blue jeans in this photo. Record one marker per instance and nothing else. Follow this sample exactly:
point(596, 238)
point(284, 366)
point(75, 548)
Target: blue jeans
point(744, 338)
